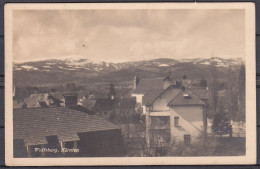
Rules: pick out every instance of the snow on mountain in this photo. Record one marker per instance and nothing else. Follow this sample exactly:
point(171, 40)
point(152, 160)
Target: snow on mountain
point(206, 63)
point(85, 70)
point(77, 62)
point(29, 67)
point(163, 65)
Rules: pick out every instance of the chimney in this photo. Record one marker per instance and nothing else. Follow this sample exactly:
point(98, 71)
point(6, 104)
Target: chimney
point(71, 99)
point(136, 81)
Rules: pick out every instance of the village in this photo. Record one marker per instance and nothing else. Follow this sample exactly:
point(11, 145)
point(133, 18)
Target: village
point(155, 117)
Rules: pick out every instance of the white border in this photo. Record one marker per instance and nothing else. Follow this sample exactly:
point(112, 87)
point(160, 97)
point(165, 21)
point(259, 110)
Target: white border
point(249, 158)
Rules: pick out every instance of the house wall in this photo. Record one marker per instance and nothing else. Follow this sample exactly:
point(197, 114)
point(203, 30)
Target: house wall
point(191, 121)
point(139, 98)
point(144, 109)
point(161, 103)
point(107, 143)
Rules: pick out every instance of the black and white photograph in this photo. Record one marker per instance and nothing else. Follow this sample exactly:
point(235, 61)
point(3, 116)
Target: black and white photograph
point(128, 84)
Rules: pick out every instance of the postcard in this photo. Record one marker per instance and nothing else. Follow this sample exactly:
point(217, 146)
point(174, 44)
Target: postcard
point(100, 84)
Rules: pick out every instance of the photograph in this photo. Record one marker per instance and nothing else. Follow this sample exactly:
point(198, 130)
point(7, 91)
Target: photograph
point(130, 84)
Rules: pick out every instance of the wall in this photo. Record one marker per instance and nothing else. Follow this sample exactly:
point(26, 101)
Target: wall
point(107, 143)
point(161, 103)
point(190, 122)
point(139, 98)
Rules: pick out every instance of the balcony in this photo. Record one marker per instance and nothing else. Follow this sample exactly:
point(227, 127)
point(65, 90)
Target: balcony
point(160, 126)
point(160, 122)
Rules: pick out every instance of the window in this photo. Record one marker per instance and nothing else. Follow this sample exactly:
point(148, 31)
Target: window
point(176, 121)
point(186, 96)
point(187, 139)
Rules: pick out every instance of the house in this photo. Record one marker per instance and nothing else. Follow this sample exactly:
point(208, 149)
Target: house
point(104, 107)
point(173, 114)
point(143, 86)
point(64, 131)
point(34, 100)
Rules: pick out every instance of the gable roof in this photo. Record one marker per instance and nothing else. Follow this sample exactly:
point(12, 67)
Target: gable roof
point(64, 122)
point(180, 100)
point(201, 93)
point(151, 95)
point(89, 103)
point(146, 84)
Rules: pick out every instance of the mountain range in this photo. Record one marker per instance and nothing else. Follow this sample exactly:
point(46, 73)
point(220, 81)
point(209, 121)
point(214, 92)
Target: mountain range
point(81, 70)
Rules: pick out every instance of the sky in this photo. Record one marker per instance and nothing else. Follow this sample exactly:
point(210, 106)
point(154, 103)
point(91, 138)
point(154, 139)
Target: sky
point(128, 35)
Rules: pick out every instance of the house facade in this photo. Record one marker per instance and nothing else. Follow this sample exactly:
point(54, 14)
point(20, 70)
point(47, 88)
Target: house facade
point(173, 114)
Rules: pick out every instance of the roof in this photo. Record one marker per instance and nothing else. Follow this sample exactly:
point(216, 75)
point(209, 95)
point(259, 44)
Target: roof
point(33, 125)
point(60, 95)
point(201, 93)
point(31, 101)
point(151, 95)
point(89, 103)
point(180, 100)
point(146, 84)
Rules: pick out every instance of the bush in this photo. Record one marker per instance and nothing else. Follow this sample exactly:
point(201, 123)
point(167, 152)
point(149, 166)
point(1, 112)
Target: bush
point(203, 146)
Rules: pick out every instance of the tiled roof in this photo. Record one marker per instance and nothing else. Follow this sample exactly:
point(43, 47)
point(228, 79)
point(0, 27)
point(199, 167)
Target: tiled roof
point(151, 95)
point(89, 103)
point(31, 101)
point(34, 124)
point(201, 93)
point(180, 100)
point(146, 84)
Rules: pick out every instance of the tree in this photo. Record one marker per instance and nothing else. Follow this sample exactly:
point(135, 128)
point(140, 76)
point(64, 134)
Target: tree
point(213, 86)
point(221, 125)
point(71, 87)
point(232, 91)
point(203, 83)
point(241, 93)
point(132, 124)
point(112, 91)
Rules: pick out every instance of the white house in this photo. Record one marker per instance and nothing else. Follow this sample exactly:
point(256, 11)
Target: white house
point(143, 86)
point(173, 114)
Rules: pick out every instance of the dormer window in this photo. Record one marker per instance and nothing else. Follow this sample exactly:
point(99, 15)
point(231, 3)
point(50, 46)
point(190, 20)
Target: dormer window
point(186, 96)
